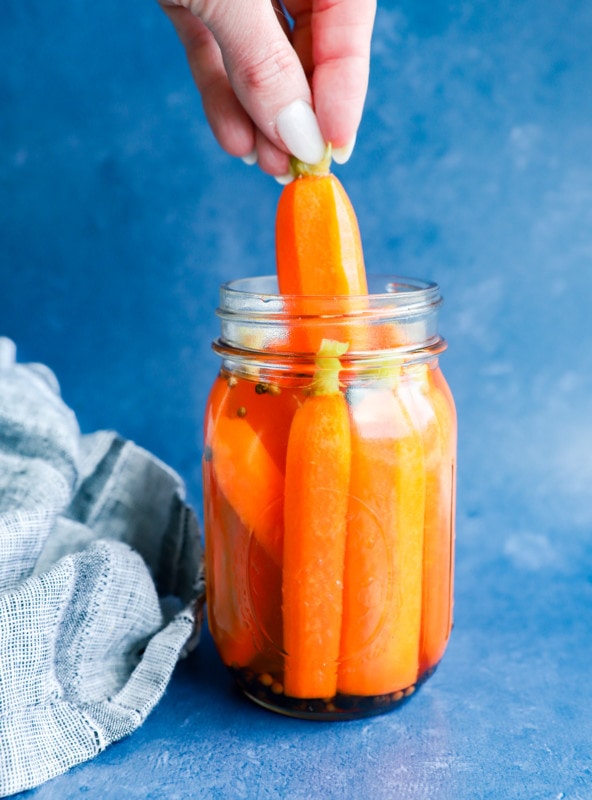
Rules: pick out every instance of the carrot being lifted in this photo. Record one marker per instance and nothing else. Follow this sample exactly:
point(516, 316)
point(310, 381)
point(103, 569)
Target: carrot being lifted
point(315, 508)
point(318, 247)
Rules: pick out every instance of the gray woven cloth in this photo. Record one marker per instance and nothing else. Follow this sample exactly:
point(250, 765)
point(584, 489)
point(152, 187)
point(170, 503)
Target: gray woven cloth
point(100, 581)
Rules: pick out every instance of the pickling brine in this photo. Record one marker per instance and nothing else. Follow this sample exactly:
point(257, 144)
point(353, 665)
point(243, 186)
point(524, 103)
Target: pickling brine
point(329, 486)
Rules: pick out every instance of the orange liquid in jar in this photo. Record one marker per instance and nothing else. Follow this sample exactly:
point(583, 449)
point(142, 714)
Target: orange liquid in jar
point(395, 594)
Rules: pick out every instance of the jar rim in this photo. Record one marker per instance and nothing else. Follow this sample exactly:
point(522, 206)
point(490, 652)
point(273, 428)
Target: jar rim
point(400, 319)
point(399, 295)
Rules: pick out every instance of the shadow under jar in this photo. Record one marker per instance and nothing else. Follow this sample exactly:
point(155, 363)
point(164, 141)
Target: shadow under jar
point(329, 494)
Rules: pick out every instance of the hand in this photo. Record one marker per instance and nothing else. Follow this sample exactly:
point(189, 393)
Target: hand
point(259, 78)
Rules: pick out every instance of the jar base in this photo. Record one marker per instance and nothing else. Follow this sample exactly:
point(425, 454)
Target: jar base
point(341, 707)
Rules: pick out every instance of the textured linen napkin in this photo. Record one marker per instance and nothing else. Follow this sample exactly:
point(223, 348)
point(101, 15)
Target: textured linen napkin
point(101, 581)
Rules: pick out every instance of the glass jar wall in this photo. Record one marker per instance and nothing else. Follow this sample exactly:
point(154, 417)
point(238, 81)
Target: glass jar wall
point(329, 485)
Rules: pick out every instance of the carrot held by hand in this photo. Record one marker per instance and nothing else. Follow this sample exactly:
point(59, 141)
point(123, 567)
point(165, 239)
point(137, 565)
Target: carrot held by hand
point(315, 509)
point(318, 245)
point(318, 249)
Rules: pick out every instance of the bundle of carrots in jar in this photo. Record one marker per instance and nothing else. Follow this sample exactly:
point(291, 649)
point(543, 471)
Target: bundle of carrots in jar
point(329, 490)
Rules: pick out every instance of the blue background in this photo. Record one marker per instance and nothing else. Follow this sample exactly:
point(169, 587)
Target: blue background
point(119, 218)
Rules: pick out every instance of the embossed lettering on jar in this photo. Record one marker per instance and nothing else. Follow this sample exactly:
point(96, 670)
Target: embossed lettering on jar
point(329, 486)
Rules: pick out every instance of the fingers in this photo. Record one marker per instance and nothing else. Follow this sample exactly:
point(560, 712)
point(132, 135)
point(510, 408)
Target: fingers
point(257, 79)
point(337, 34)
point(266, 75)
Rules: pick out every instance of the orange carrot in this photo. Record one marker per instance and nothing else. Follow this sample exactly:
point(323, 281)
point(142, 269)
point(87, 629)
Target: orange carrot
point(431, 414)
point(383, 558)
point(315, 507)
point(243, 510)
point(215, 404)
point(267, 408)
point(269, 411)
point(244, 588)
point(439, 532)
point(233, 638)
point(265, 595)
point(229, 616)
point(247, 430)
point(318, 248)
point(250, 479)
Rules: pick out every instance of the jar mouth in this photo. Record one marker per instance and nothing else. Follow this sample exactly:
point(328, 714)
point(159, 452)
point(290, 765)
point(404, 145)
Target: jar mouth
point(388, 295)
point(397, 317)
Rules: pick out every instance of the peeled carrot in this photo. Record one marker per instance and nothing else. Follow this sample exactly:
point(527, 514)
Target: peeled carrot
point(267, 408)
point(247, 430)
point(244, 588)
point(315, 507)
point(382, 592)
point(318, 245)
point(318, 249)
point(246, 427)
point(229, 615)
point(231, 631)
point(265, 596)
point(215, 404)
point(250, 479)
point(439, 535)
point(432, 416)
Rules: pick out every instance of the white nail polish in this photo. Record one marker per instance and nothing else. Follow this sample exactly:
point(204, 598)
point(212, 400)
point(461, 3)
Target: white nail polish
point(250, 159)
point(283, 179)
point(342, 154)
point(299, 130)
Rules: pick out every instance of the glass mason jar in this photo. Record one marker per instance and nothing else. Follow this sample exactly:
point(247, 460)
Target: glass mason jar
point(329, 494)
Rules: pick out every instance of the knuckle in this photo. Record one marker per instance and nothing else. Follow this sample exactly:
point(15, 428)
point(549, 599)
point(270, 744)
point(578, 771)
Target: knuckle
point(263, 73)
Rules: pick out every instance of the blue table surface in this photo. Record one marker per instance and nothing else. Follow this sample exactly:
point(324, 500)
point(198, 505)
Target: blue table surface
point(121, 217)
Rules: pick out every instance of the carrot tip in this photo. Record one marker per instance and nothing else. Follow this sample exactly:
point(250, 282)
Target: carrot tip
point(326, 377)
point(301, 169)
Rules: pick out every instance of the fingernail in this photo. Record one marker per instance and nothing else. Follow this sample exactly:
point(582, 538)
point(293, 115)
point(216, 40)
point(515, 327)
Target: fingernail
point(284, 179)
point(342, 154)
point(250, 159)
point(299, 130)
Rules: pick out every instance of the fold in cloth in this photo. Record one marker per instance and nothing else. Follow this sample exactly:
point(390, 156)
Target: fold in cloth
point(101, 582)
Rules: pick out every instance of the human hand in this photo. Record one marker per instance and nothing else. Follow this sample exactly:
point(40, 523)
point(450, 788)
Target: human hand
point(260, 78)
